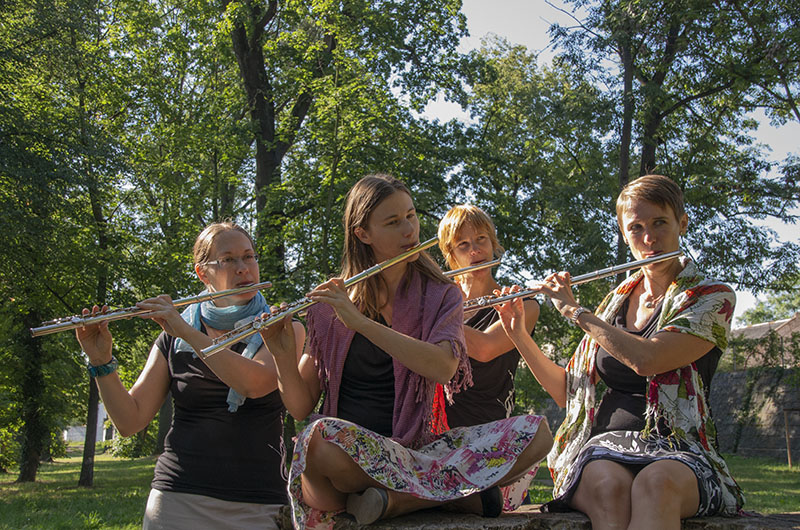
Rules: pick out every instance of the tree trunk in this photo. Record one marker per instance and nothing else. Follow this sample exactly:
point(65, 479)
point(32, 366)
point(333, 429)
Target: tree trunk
point(89, 442)
point(101, 224)
point(649, 141)
point(625, 138)
point(34, 430)
point(247, 36)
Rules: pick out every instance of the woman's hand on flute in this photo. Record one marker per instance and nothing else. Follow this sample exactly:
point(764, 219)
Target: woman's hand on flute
point(279, 337)
point(557, 287)
point(512, 313)
point(333, 293)
point(95, 339)
point(163, 312)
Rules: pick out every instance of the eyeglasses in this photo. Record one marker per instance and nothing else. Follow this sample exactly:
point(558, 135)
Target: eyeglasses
point(229, 262)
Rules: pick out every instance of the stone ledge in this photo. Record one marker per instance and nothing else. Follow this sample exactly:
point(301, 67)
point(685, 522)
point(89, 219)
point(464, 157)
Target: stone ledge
point(529, 518)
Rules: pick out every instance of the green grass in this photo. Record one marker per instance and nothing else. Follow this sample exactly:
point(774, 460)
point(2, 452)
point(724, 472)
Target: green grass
point(120, 491)
point(769, 485)
point(54, 501)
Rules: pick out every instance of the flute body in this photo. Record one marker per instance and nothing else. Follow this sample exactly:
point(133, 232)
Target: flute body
point(491, 300)
point(78, 321)
point(472, 268)
point(242, 332)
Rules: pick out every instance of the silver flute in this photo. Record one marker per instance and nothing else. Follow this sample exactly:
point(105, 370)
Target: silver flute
point(492, 300)
point(472, 268)
point(78, 321)
point(242, 332)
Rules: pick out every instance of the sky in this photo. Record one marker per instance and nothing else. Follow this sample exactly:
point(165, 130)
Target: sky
point(526, 22)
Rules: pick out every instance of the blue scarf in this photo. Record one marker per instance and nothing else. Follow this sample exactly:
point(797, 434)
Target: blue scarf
point(224, 318)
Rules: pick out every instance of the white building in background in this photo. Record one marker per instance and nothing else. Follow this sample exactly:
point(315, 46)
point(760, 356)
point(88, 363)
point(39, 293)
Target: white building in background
point(77, 433)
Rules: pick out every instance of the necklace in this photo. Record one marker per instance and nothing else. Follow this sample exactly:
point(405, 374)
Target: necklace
point(650, 304)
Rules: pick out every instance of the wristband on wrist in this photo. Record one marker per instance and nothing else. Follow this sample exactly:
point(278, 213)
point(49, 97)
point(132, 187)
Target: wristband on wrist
point(104, 369)
point(577, 313)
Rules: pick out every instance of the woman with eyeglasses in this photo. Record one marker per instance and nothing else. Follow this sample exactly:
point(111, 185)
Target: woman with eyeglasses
point(222, 465)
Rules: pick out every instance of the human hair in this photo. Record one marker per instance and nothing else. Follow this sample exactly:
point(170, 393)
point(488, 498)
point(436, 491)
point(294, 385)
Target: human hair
point(454, 220)
point(202, 245)
point(362, 199)
point(656, 189)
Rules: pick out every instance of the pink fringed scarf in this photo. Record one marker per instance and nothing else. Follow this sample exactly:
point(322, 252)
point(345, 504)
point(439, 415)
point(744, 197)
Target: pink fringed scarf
point(423, 309)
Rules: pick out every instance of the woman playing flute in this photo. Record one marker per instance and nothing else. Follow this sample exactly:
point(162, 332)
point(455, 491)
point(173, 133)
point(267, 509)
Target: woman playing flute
point(467, 237)
point(378, 353)
point(222, 464)
point(637, 447)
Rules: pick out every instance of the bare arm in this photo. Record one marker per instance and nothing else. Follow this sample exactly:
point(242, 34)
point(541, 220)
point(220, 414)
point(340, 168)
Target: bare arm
point(663, 352)
point(492, 342)
point(297, 374)
point(252, 378)
point(132, 410)
point(551, 376)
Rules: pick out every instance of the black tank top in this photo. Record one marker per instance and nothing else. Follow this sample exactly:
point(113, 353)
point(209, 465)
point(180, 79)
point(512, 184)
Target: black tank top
point(491, 397)
point(233, 456)
point(624, 403)
point(366, 393)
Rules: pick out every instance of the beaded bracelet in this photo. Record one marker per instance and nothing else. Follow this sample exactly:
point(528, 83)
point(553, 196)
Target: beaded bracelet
point(103, 369)
point(578, 312)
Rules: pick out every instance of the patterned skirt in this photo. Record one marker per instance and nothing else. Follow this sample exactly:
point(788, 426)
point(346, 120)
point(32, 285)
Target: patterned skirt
point(630, 448)
point(462, 461)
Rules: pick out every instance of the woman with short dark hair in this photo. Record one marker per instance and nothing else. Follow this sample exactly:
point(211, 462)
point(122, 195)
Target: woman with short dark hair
point(637, 447)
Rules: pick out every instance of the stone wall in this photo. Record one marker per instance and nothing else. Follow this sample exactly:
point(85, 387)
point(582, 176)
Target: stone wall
point(748, 411)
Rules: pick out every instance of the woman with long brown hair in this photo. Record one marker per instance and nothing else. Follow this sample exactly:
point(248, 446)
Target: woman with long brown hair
point(377, 353)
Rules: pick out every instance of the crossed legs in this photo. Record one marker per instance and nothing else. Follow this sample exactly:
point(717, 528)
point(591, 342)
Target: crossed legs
point(657, 497)
point(331, 475)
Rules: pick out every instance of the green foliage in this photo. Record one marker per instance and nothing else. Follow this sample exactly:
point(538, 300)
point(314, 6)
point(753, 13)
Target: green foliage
point(689, 71)
point(771, 350)
point(137, 445)
point(125, 127)
point(9, 446)
point(780, 305)
point(56, 446)
point(534, 159)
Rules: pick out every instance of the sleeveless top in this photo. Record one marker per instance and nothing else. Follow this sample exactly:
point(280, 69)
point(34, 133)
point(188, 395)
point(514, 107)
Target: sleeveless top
point(491, 396)
point(366, 395)
point(623, 405)
point(232, 456)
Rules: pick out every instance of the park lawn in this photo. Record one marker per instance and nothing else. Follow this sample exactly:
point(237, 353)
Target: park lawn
point(769, 485)
point(54, 501)
point(120, 491)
